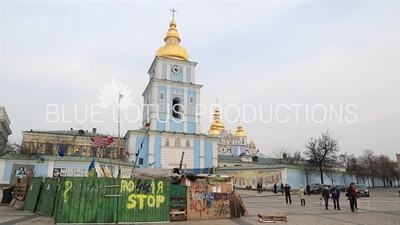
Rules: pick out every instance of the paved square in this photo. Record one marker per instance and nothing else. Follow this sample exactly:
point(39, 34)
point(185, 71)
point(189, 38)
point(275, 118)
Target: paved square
point(383, 208)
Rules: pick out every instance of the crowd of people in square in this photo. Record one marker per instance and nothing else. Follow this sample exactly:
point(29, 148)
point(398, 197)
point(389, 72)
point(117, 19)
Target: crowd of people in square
point(327, 193)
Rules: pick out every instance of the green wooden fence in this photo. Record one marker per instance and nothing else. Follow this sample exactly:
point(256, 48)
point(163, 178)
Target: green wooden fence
point(47, 197)
point(33, 194)
point(112, 200)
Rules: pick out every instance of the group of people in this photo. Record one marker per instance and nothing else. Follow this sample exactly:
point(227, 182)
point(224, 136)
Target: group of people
point(333, 193)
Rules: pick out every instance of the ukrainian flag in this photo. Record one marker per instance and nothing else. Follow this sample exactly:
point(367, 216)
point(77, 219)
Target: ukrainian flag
point(92, 170)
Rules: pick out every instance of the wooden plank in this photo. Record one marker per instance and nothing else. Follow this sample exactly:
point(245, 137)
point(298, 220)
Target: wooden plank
point(12, 202)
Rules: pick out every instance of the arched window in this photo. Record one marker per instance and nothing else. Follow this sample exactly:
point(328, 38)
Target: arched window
point(187, 143)
point(191, 99)
point(162, 96)
point(176, 108)
point(140, 161)
point(167, 142)
point(177, 142)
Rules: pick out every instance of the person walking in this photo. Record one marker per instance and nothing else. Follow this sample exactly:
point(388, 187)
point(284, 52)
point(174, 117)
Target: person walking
point(287, 194)
point(308, 189)
point(282, 188)
point(275, 188)
point(352, 197)
point(325, 196)
point(259, 187)
point(335, 193)
point(302, 197)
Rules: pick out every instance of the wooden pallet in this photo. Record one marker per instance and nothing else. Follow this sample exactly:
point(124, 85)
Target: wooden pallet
point(242, 206)
point(271, 217)
point(178, 214)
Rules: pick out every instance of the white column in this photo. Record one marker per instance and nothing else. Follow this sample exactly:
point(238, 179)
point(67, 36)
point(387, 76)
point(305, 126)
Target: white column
point(284, 176)
point(168, 107)
point(132, 147)
point(198, 111)
point(50, 169)
point(154, 106)
point(215, 153)
point(201, 153)
point(2, 168)
point(150, 156)
point(184, 73)
point(185, 108)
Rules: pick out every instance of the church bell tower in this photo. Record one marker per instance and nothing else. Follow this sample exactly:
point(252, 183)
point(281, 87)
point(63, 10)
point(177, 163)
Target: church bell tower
point(171, 96)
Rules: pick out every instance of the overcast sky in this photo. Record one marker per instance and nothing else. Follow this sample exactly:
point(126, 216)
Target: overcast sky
point(318, 54)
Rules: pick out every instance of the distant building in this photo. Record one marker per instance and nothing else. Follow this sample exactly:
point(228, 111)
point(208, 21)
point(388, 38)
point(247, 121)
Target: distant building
point(76, 142)
point(5, 129)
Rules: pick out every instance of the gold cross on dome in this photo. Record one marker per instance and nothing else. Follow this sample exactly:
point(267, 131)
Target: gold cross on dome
point(173, 12)
point(216, 101)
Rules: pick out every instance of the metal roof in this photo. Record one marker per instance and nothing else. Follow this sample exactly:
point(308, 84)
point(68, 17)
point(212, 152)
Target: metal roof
point(67, 158)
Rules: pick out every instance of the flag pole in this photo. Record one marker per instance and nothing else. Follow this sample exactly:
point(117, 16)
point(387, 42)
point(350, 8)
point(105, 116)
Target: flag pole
point(138, 152)
point(119, 130)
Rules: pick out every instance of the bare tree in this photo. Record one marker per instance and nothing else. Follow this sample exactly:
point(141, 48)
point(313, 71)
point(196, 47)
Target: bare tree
point(368, 163)
point(286, 156)
point(321, 153)
point(9, 148)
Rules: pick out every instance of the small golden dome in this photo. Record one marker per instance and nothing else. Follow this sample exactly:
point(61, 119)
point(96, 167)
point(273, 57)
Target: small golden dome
point(172, 49)
point(240, 132)
point(217, 121)
point(213, 130)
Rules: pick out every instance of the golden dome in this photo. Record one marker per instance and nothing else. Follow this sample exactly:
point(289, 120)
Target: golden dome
point(217, 121)
point(213, 130)
point(172, 49)
point(240, 132)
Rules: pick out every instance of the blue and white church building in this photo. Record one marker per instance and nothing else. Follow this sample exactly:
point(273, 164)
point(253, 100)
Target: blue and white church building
point(170, 102)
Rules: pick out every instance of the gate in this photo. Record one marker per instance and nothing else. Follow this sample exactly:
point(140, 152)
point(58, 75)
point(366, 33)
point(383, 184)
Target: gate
point(33, 194)
point(47, 197)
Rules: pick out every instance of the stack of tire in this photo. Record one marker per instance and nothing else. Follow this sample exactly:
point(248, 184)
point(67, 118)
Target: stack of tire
point(7, 195)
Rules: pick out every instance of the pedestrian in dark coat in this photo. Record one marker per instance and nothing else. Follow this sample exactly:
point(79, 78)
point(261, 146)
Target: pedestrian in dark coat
point(282, 188)
point(308, 188)
point(326, 196)
point(287, 193)
point(335, 195)
point(275, 188)
point(352, 197)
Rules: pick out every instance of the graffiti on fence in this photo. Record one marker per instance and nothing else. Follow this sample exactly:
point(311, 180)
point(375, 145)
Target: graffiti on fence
point(68, 185)
point(221, 209)
point(206, 200)
point(143, 193)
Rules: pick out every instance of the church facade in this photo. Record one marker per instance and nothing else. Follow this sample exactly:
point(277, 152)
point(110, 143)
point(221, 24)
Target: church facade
point(170, 107)
point(232, 144)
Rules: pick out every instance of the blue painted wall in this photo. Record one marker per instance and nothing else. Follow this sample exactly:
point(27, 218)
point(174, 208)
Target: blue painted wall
point(144, 152)
point(162, 89)
point(160, 124)
point(176, 125)
point(191, 93)
point(191, 127)
point(40, 169)
point(196, 154)
point(157, 152)
point(208, 154)
point(295, 178)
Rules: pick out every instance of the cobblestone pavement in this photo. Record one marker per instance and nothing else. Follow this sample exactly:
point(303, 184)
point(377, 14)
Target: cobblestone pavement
point(383, 208)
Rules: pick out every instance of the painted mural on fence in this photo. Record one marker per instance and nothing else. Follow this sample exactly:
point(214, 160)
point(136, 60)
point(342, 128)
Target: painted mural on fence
point(70, 172)
point(208, 200)
point(247, 178)
point(21, 171)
